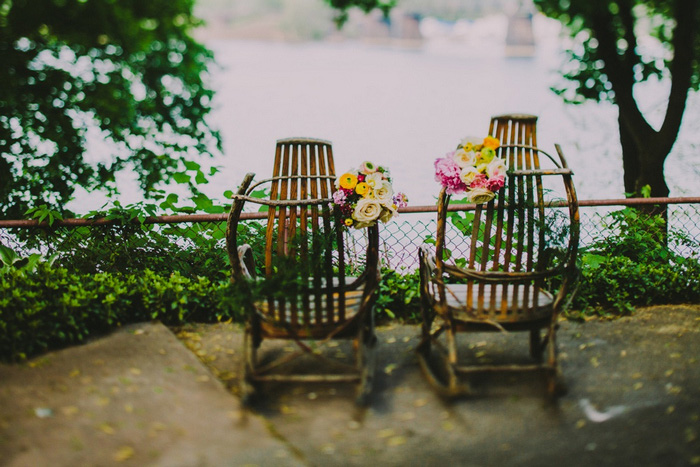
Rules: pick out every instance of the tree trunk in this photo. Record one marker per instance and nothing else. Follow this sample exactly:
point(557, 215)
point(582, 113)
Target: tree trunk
point(630, 159)
point(643, 165)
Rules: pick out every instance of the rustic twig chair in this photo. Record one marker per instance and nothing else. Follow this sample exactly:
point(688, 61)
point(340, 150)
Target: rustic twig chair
point(512, 280)
point(304, 241)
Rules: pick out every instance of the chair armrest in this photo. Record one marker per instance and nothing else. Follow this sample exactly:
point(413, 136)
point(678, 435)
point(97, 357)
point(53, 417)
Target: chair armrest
point(247, 261)
point(234, 216)
point(541, 172)
point(500, 276)
point(281, 202)
point(427, 261)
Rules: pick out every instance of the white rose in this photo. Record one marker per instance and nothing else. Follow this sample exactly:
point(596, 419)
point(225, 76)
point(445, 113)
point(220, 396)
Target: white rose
point(464, 158)
point(480, 195)
point(468, 174)
point(366, 212)
point(496, 168)
point(384, 192)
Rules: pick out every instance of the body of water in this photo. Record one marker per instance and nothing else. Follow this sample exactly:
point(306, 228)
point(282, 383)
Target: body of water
point(405, 106)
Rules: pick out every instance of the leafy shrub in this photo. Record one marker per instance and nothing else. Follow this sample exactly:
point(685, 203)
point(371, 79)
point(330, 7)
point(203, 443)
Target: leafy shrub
point(633, 266)
point(399, 296)
point(48, 308)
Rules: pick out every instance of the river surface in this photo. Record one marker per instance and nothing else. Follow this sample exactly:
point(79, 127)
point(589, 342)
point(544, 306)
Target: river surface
point(403, 106)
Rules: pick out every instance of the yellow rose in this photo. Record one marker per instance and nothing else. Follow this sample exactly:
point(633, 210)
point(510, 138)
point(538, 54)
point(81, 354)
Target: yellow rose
point(348, 181)
point(491, 142)
point(361, 188)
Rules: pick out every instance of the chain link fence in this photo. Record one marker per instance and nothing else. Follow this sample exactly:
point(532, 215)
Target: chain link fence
point(197, 242)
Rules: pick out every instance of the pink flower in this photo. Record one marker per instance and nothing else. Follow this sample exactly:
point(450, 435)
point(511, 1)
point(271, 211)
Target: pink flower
point(400, 200)
point(339, 197)
point(480, 181)
point(447, 173)
point(496, 183)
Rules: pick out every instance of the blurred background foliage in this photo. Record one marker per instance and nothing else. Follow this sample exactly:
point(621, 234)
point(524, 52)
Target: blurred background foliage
point(128, 72)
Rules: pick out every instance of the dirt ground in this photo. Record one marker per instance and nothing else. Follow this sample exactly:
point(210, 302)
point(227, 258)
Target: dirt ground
point(141, 397)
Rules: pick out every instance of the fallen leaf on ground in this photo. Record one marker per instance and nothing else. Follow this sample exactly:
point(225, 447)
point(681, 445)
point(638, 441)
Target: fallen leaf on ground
point(396, 441)
point(106, 428)
point(124, 453)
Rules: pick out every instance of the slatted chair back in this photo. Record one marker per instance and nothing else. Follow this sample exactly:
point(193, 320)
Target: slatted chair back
point(507, 248)
point(304, 243)
point(305, 236)
point(514, 129)
point(303, 169)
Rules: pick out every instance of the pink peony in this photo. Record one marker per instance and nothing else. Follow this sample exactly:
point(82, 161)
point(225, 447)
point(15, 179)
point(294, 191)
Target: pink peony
point(447, 173)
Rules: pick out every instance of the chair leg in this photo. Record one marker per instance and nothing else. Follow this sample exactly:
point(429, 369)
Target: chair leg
point(366, 363)
point(248, 364)
point(555, 384)
point(537, 344)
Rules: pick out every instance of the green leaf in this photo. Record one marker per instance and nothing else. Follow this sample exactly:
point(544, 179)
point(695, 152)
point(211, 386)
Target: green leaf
point(200, 178)
point(181, 177)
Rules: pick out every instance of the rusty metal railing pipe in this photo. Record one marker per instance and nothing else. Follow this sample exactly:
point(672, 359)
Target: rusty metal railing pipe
point(196, 218)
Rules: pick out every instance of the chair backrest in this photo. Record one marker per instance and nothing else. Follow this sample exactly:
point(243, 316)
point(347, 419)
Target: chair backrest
point(509, 235)
point(303, 169)
point(304, 238)
point(514, 129)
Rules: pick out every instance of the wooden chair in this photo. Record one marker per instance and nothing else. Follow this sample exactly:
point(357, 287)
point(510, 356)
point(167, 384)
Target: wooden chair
point(305, 246)
point(514, 129)
point(512, 281)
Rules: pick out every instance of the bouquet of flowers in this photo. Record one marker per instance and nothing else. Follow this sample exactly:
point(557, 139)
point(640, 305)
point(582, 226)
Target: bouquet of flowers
point(365, 195)
point(472, 168)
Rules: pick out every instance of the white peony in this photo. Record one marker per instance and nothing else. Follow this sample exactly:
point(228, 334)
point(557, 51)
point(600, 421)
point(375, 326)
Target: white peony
point(480, 195)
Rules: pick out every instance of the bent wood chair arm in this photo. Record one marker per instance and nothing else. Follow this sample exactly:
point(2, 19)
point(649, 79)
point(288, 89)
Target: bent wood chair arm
point(234, 215)
point(560, 164)
point(291, 177)
point(500, 276)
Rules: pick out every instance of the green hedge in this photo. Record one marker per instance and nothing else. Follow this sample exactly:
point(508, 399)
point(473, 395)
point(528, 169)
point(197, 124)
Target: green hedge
point(44, 307)
point(50, 308)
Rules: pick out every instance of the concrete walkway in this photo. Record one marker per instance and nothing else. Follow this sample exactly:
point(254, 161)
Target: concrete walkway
point(141, 397)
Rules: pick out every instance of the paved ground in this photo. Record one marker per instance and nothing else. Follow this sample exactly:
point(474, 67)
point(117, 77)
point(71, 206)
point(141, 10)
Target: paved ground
point(141, 397)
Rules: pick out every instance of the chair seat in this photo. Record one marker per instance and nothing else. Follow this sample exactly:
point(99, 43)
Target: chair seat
point(353, 300)
point(513, 306)
point(304, 320)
